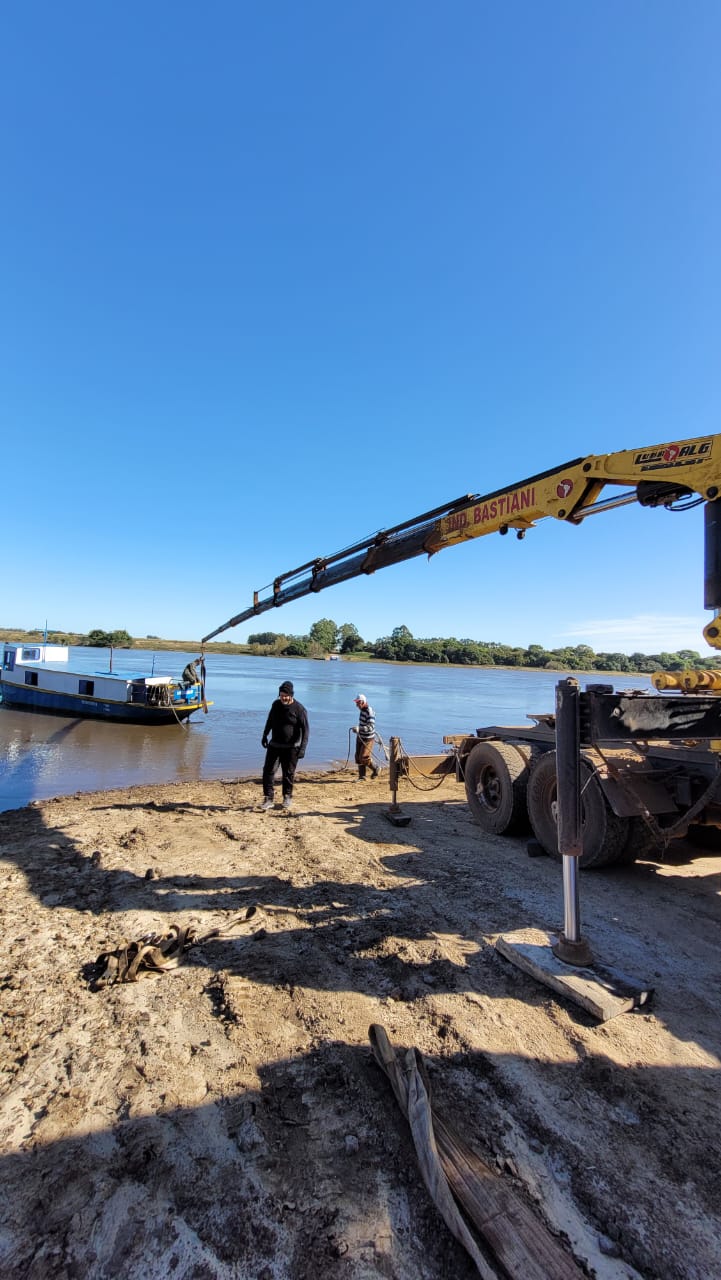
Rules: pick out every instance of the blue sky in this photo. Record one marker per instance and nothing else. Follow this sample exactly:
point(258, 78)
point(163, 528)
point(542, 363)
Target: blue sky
point(277, 276)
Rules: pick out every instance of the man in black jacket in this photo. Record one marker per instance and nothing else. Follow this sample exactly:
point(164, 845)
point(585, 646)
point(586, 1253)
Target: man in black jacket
point(287, 725)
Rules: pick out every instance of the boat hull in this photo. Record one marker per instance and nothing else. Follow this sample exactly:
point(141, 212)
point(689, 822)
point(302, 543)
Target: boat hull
point(24, 698)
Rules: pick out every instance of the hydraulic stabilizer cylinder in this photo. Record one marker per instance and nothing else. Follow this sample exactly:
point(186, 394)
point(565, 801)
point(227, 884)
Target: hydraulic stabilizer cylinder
point(712, 571)
point(712, 555)
point(571, 947)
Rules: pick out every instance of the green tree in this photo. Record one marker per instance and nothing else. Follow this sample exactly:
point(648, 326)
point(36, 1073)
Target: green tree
point(536, 655)
point(582, 657)
point(643, 664)
point(297, 647)
point(324, 633)
point(98, 639)
point(383, 648)
point(349, 637)
point(613, 662)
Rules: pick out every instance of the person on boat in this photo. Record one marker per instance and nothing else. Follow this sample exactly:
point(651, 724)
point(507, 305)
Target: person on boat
point(365, 730)
point(287, 725)
point(190, 672)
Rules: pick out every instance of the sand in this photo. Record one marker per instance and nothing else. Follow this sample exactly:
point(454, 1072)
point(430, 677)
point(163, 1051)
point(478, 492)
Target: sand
point(227, 1119)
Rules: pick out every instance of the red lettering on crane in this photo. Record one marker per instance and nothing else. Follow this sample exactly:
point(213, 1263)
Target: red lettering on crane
point(507, 504)
point(458, 520)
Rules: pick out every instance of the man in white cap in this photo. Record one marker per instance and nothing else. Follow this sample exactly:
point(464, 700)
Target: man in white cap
point(366, 736)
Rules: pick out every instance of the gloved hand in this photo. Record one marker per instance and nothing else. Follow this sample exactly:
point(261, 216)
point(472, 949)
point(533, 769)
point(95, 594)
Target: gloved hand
point(301, 754)
point(264, 742)
point(354, 728)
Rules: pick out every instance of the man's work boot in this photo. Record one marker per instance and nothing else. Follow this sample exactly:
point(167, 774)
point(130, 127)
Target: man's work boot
point(287, 803)
point(267, 803)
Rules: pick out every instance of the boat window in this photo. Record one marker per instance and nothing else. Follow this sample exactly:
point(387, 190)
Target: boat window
point(86, 686)
point(9, 660)
point(31, 677)
point(30, 655)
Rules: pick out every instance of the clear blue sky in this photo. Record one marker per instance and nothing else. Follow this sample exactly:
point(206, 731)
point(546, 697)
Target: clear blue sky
point(277, 276)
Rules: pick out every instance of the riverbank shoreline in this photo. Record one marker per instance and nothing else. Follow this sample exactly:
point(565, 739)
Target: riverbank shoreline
point(227, 1118)
point(228, 649)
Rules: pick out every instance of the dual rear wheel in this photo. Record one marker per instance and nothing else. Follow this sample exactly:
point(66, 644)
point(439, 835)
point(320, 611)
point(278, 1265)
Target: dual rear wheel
point(605, 835)
point(508, 787)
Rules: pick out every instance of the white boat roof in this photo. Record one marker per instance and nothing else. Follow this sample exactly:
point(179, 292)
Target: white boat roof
point(54, 657)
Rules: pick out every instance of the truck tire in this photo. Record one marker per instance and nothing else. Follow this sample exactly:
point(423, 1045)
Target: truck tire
point(496, 776)
point(605, 835)
point(641, 843)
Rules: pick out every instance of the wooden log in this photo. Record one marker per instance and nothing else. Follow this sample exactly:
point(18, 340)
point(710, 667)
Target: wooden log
point(511, 1233)
point(519, 1240)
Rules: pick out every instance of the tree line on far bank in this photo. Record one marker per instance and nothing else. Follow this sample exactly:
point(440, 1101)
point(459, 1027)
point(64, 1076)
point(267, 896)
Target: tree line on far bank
point(96, 639)
point(325, 637)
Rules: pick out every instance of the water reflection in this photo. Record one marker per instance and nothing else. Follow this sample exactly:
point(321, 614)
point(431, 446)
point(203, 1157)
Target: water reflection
point(47, 755)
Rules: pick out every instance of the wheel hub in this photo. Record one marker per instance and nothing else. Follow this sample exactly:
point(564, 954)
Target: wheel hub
point(489, 790)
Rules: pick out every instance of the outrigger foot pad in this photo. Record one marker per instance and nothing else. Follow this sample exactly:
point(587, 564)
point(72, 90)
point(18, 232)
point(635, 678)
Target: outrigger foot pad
point(397, 819)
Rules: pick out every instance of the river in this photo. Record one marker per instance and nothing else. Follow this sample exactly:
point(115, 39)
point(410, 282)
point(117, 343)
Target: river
point(46, 755)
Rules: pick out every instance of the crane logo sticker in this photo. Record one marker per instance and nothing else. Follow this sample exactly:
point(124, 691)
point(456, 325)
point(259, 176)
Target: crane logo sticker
point(673, 455)
point(563, 488)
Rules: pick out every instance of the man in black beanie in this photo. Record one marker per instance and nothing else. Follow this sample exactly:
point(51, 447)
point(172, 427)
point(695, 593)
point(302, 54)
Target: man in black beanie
point(287, 725)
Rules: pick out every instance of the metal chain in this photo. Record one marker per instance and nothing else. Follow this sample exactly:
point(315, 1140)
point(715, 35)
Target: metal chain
point(409, 759)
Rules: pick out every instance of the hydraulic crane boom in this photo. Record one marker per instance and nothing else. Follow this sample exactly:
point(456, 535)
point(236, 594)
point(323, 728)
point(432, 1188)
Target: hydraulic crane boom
point(675, 475)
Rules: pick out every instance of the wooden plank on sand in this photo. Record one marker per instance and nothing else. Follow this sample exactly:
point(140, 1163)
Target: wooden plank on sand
point(602, 991)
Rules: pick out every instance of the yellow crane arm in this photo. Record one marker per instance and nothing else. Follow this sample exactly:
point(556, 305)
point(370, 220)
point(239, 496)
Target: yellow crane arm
point(681, 472)
point(660, 475)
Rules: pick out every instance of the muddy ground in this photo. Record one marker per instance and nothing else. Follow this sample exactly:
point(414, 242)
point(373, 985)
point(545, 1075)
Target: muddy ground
point(227, 1119)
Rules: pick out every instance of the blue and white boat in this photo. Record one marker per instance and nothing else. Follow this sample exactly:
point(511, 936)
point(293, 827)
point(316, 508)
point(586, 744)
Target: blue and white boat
point(36, 677)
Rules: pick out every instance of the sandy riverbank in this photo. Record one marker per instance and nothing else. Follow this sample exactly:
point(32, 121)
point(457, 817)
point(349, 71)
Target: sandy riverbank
point(226, 1119)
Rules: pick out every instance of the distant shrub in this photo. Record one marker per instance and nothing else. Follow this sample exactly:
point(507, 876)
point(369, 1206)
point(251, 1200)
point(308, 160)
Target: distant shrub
point(107, 639)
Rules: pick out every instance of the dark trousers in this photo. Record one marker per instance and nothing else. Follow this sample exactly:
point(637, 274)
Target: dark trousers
point(287, 757)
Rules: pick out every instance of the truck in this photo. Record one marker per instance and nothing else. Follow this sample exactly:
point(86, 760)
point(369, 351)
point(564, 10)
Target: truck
point(650, 761)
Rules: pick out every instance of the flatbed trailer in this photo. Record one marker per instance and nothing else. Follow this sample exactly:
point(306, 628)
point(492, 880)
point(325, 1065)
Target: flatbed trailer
point(649, 770)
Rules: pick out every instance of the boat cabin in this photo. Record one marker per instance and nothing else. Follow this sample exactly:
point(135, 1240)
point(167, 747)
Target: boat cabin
point(37, 676)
